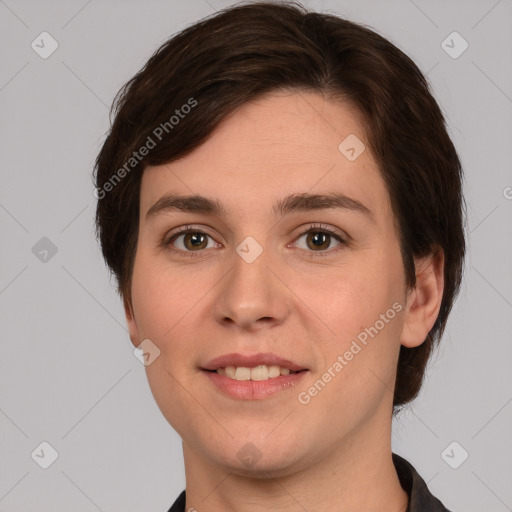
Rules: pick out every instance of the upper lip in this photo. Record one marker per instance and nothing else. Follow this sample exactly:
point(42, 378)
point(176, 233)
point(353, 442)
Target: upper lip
point(250, 361)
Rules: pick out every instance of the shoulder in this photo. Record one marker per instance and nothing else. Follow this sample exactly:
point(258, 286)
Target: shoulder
point(179, 504)
point(420, 498)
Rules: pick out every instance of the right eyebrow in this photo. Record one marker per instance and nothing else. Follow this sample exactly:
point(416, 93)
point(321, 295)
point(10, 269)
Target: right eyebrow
point(188, 204)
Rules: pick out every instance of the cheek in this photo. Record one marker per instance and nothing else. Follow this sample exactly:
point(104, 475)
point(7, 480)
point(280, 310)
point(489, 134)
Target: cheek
point(161, 297)
point(350, 298)
point(163, 305)
point(361, 304)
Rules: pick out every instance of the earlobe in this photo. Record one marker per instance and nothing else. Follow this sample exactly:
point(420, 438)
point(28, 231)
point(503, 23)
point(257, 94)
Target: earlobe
point(424, 301)
point(132, 325)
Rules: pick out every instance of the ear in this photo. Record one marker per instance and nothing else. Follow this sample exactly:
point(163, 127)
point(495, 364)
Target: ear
point(132, 325)
point(424, 301)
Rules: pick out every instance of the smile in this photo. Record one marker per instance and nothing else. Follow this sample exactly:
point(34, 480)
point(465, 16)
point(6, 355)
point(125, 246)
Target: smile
point(259, 373)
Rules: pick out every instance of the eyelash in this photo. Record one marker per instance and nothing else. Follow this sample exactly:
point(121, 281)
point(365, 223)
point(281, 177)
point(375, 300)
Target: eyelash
point(312, 228)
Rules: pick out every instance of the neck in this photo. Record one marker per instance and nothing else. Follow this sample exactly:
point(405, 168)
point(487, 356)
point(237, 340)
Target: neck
point(358, 475)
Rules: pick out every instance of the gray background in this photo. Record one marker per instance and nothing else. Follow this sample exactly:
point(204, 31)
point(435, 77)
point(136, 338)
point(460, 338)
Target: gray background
point(68, 375)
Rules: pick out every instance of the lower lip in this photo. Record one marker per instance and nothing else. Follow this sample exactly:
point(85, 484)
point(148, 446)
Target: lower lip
point(254, 389)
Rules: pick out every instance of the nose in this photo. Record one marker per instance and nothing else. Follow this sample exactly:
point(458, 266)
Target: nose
point(252, 296)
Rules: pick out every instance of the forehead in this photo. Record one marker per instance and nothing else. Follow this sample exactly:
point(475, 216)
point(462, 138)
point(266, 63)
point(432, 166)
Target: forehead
point(283, 143)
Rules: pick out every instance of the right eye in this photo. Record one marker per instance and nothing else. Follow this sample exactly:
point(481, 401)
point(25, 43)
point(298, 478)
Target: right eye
point(189, 240)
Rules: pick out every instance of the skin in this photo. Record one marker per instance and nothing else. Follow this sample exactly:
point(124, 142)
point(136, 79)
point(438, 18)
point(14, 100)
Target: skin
point(333, 453)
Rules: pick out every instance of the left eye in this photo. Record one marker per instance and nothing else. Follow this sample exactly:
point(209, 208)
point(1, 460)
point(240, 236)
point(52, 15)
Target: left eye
point(319, 240)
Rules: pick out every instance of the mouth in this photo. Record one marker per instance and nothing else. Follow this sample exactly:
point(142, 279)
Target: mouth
point(253, 376)
point(259, 373)
point(252, 367)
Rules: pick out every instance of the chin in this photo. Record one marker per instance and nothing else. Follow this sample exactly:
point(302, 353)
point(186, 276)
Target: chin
point(261, 459)
point(264, 468)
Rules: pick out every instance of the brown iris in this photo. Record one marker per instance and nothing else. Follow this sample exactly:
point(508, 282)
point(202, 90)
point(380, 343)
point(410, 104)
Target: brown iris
point(319, 240)
point(197, 240)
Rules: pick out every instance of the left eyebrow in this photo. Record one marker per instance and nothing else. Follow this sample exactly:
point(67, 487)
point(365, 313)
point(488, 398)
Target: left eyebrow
point(311, 202)
point(295, 202)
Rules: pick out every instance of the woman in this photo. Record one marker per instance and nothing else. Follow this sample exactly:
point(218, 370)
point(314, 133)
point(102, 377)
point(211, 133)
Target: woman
point(281, 205)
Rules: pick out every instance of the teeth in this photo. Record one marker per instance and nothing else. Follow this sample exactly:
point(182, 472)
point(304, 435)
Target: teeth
point(258, 373)
point(262, 372)
point(229, 371)
point(242, 373)
point(273, 371)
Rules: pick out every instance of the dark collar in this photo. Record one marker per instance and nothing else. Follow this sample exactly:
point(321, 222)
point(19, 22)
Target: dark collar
point(420, 498)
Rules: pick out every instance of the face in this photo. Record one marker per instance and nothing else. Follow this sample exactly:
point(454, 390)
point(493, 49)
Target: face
point(271, 278)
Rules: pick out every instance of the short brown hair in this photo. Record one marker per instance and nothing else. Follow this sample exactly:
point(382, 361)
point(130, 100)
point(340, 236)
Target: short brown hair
point(245, 51)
